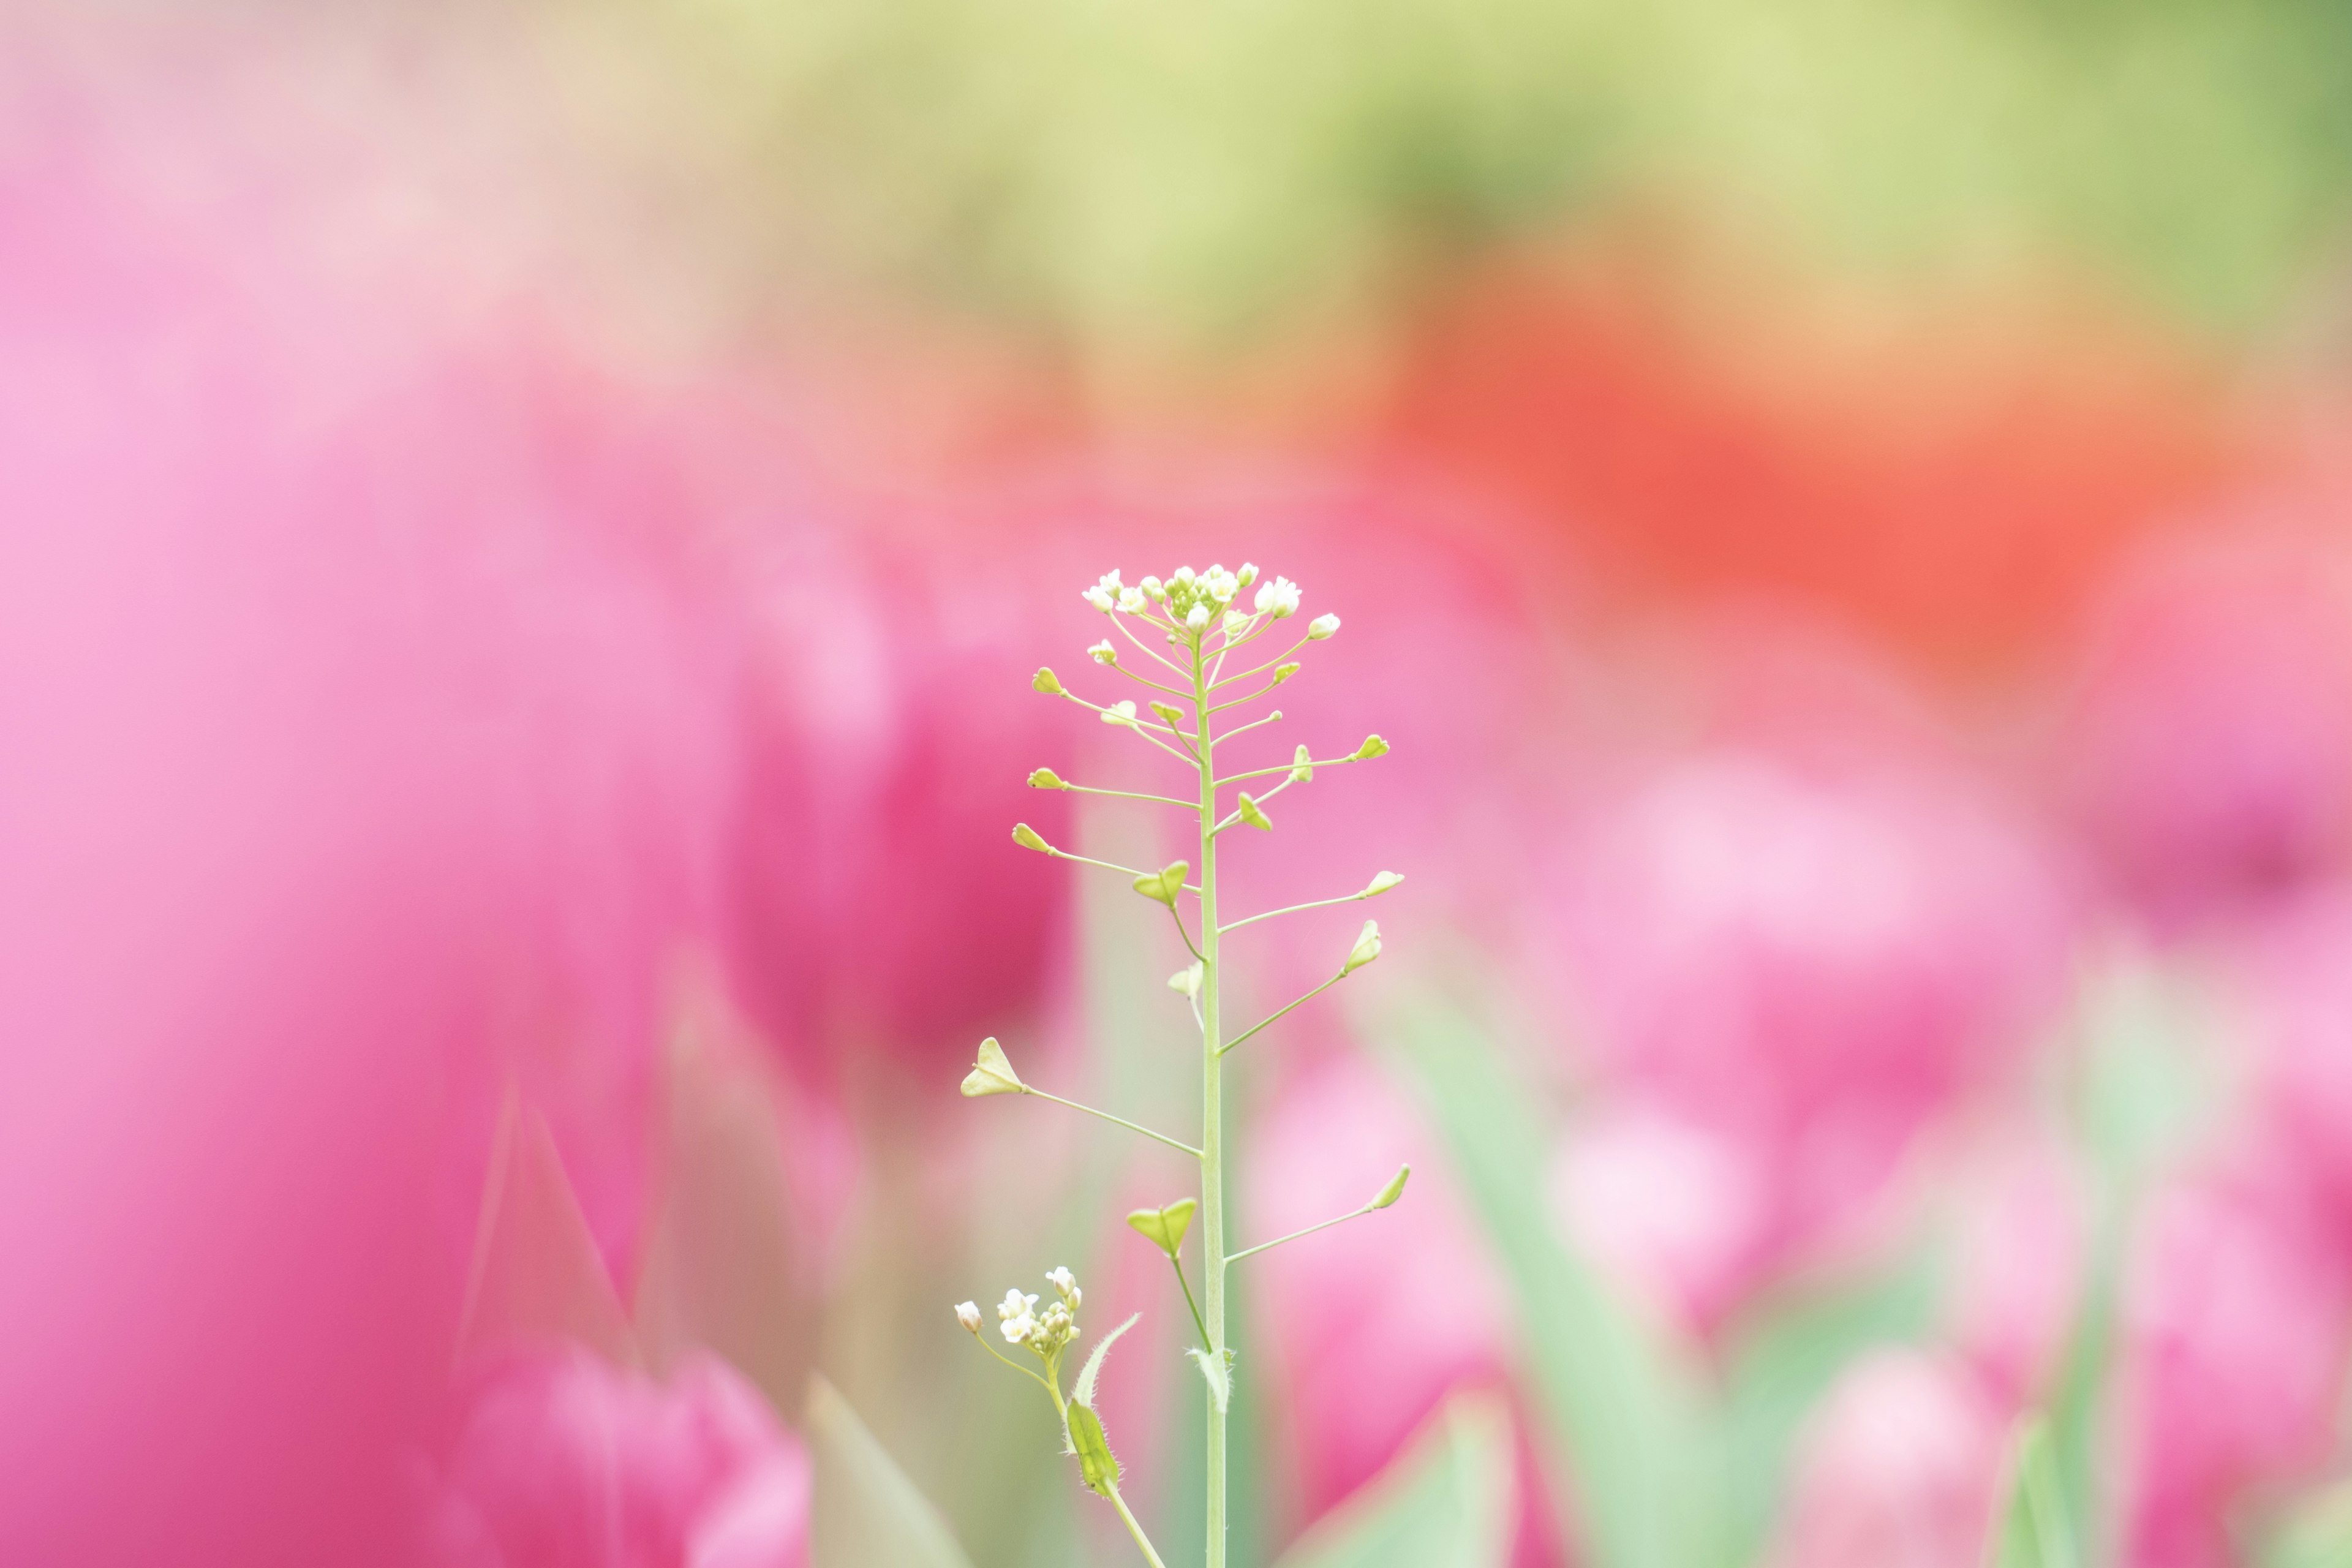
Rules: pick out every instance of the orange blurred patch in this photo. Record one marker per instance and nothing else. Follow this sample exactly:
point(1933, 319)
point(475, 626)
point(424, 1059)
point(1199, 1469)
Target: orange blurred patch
point(1950, 469)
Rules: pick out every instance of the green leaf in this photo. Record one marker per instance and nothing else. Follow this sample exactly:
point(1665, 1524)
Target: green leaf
point(1097, 1466)
point(1219, 1375)
point(1622, 1402)
point(1083, 1391)
point(1445, 1502)
point(2029, 1528)
point(865, 1513)
point(1164, 1227)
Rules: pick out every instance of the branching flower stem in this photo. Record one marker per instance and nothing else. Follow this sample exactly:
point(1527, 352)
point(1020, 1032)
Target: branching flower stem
point(1294, 908)
point(1212, 1135)
point(1186, 1286)
point(1294, 1236)
point(1107, 865)
point(1107, 1116)
point(1287, 767)
point(1129, 795)
point(1237, 729)
point(1272, 1017)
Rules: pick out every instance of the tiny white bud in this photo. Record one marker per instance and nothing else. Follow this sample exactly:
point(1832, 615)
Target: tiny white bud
point(1198, 618)
point(968, 1314)
point(1099, 597)
point(1184, 574)
point(1247, 575)
point(1103, 653)
point(1064, 1284)
point(1321, 626)
point(1280, 598)
point(1154, 587)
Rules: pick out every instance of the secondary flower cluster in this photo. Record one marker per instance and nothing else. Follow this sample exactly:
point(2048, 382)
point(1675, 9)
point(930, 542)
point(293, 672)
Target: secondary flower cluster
point(1021, 1323)
point(1192, 601)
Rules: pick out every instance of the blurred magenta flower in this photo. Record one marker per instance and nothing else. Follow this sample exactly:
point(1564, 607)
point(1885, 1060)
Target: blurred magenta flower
point(1898, 1468)
point(563, 1460)
point(886, 908)
point(1784, 975)
point(2209, 752)
point(2238, 1318)
point(1368, 1324)
point(2020, 1230)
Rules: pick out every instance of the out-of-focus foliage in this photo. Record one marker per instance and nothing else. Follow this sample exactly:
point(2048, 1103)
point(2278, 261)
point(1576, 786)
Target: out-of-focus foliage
point(1142, 172)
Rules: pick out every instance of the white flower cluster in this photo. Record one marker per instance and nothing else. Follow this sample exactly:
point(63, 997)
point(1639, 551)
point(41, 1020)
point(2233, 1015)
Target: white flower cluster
point(1021, 1323)
point(1190, 601)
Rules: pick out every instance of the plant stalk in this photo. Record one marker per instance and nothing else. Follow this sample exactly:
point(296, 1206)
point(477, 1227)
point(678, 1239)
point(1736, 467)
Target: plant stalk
point(1212, 1156)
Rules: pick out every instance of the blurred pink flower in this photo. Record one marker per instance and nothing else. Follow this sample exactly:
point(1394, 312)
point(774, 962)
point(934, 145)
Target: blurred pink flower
point(2210, 753)
point(2020, 1228)
point(1785, 973)
point(2295, 974)
point(563, 1460)
point(886, 908)
point(1370, 1323)
point(2237, 1322)
point(1899, 1468)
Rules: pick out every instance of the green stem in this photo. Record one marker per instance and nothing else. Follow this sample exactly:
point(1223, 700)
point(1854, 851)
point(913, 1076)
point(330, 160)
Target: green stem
point(1213, 1160)
point(1294, 1236)
point(1107, 1116)
point(1186, 1286)
point(1275, 1017)
point(1135, 1529)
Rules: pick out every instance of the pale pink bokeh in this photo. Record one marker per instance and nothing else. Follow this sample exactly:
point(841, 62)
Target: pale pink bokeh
point(2020, 1212)
point(2234, 1350)
point(2209, 751)
point(1782, 973)
point(563, 1461)
point(1898, 1468)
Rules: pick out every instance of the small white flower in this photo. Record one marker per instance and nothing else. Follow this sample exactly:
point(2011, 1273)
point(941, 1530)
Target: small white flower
point(1017, 1314)
point(1103, 653)
point(1198, 618)
point(968, 1314)
point(1247, 575)
point(1104, 594)
point(1131, 600)
point(1066, 1285)
point(1234, 622)
point(1184, 574)
point(1279, 596)
point(1321, 626)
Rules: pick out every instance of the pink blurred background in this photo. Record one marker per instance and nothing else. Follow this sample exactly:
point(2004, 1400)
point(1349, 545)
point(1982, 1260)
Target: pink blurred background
point(523, 531)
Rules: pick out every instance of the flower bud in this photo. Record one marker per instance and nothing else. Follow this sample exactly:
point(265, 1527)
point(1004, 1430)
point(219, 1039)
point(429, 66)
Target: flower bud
point(1187, 979)
point(1247, 575)
point(1321, 626)
point(968, 1314)
point(991, 1073)
point(1184, 574)
point(1283, 673)
point(1026, 836)
point(1103, 653)
point(1165, 1227)
point(1394, 1190)
point(1367, 947)
point(1046, 778)
point(1373, 746)
point(1066, 1285)
point(1198, 618)
point(1169, 713)
point(1302, 768)
point(1043, 681)
point(1153, 586)
point(1165, 883)
point(1254, 815)
point(1382, 883)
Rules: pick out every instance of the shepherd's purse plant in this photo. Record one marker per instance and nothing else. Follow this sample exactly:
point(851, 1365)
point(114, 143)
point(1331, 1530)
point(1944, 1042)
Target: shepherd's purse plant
point(1196, 618)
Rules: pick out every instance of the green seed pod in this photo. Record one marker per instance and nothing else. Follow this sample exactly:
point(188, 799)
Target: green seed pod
point(1394, 1190)
point(1046, 778)
point(1254, 815)
point(1026, 836)
point(991, 1073)
point(1097, 1464)
point(1165, 1227)
point(1165, 883)
point(1373, 746)
point(1045, 681)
